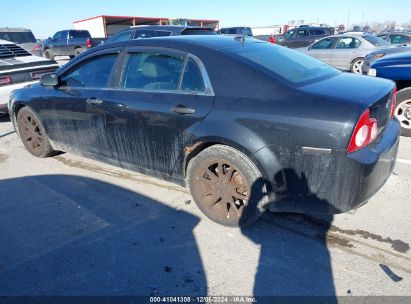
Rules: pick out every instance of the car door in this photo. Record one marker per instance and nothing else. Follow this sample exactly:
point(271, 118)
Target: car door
point(58, 41)
point(346, 50)
point(72, 112)
point(301, 39)
point(157, 107)
point(322, 49)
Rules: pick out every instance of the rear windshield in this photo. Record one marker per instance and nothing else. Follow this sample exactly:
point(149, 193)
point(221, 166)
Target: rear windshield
point(18, 37)
point(79, 34)
point(289, 65)
point(377, 41)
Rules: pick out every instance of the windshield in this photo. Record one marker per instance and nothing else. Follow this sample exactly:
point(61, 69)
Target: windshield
point(377, 41)
point(289, 65)
point(18, 37)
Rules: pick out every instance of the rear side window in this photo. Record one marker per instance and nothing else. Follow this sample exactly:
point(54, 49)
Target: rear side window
point(317, 32)
point(290, 66)
point(348, 43)
point(79, 34)
point(93, 73)
point(192, 78)
point(151, 71)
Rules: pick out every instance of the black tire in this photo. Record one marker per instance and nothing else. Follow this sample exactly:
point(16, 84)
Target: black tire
point(32, 133)
point(78, 51)
point(356, 66)
point(239, 176)
point(49, 54)
point(403, 111)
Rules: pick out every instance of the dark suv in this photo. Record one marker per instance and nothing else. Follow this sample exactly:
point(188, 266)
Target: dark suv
point(304, 36)
point(150, 31)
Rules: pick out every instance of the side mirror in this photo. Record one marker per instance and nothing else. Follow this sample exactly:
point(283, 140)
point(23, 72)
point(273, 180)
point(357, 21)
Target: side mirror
point(49, 80)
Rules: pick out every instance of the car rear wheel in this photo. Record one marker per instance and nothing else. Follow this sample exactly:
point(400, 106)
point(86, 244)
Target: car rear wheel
point(49, 54)
point(32, 134)
point(403, 111)
point(357, 65)
point(227, 186)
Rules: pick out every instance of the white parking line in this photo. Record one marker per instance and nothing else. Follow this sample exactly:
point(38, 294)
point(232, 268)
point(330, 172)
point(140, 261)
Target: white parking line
point(404, 161)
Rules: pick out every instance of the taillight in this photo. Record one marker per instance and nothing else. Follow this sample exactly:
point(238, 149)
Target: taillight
point(5, 80)
point(88, 43)
point(36, 47)
point(365, 132)
point(272, 39)
point(393, 102)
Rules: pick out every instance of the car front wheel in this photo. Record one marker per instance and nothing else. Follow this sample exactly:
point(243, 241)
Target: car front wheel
point(403, 111)
point(32, 134)
point(227, 186)
point(49, 54)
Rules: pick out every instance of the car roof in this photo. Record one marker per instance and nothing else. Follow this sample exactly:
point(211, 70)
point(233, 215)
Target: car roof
point(14, 29)
point(170, 27)
point(216, 42)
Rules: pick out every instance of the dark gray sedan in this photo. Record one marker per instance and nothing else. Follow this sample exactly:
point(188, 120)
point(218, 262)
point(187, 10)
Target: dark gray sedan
point(246, 125)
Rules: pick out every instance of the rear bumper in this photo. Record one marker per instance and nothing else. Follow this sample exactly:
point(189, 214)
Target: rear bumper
point(333, 183)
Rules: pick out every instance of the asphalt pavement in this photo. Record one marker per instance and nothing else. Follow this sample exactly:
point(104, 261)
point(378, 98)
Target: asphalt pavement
point(73, 226)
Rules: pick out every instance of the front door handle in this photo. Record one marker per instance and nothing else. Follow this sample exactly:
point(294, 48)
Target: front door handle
point(181, 109)
point(94, 101)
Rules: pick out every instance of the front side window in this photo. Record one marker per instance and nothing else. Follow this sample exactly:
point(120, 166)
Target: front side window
point(290, 66)
point(152, 71)
point(60, 35)
point(140, 34)
point(348, 43)
point(326, 43)
point(93, 73)
point(302, 33)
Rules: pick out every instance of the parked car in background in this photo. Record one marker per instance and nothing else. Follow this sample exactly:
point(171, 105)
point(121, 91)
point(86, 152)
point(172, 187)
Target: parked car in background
point(69, 43)
point(397, 67)
point(346, 51)
point(399, 38)
point(275, 39)
point(164, 107)
point(304, 36)
point(150, 31)
point(236, 30)
point(372, 57)
point(22, 37)
point(19, 68)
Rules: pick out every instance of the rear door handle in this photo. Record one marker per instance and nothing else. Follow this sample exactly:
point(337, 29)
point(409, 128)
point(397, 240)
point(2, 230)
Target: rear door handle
point(181, 109)
point(94, 101)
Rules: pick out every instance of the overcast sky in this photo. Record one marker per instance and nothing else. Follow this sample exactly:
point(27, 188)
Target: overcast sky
point(45, 17)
